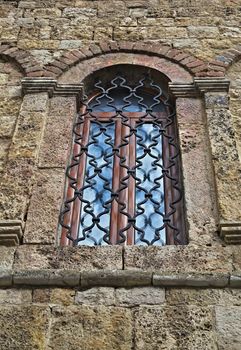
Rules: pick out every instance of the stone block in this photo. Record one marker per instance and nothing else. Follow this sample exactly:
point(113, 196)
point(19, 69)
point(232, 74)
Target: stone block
point(235, 280)
point(63, 278)
point(96, 296)
point(57, 139)
point(6, 278)
point(35, 102)
point(228, 325)
point(7, 125)
point(7, 257)
point(80, 258)
point(54, 296)
point(15, 296)
point(141, 295)
point(27, 135)
point(216, 100)
point(9, 106)
point(189, 110)
point(184, 259)
point(45, 203)
point(89, 328)
point(203, 297)
point(191, 280)
point(231, 232)
point(180, 327)
point(23, 327)
point(115, 278)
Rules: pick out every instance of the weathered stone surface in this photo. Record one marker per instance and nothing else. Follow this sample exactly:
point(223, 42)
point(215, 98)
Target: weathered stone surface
point(141, 295)
point(181, 327)
point(6, 278)
point(228, 323)
point(96, 296)
point(7, 257)
point(115, 278)
point(23, 327)
point(15, 296)
point(178, 259)
point(55, 296)
point(45, 203)
point(91, 328)
point(226, 163)
point(203, 297)
point(35, 102)
point(7, 125)
point(80, 258)
point(27, 136)
point(65, 278)
point(56, 144)
point(191, 280)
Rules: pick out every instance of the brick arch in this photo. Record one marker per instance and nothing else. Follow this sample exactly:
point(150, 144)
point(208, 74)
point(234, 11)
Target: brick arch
point(189, 62)
point(230, 56)
point(24, 60)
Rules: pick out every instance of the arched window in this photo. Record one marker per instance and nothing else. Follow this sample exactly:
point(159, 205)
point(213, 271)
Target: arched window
point(124, 180)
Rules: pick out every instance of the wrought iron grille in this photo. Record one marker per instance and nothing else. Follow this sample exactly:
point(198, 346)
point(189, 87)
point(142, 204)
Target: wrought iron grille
point(124, 177)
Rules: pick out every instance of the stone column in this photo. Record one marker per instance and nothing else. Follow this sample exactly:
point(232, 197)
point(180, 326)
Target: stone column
point(199, 193)
point(22, 159)
point(225, 159)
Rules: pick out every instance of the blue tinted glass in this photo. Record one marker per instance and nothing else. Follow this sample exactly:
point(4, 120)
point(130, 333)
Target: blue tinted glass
point(98, 184)
point(150, 191)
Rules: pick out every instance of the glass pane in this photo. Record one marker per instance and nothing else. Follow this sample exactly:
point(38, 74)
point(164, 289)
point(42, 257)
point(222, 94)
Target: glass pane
point(95, 210)
point(149, 186)
point(122, 99)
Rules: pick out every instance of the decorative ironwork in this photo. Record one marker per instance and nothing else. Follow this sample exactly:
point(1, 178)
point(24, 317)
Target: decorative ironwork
point(124, 178)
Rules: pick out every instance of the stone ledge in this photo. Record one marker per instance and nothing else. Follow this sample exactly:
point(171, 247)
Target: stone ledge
point(230, 232)
point(60, 278)
point(10, 232)
point(6, 278)
point(115, 278)
point(191, 280)
point(235, 281)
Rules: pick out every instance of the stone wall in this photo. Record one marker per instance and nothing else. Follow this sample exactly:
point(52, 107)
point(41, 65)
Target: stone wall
point(104, 318)
point(117, 297)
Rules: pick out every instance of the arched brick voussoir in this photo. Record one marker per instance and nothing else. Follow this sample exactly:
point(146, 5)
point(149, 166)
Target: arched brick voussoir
point(229, 57)
point(192, 64)
point(24, 60)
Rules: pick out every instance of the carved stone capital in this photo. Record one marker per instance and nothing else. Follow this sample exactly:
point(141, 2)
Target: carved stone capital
point(212, 84)
point(231, 232)
point(10, 232)
point(50, 85)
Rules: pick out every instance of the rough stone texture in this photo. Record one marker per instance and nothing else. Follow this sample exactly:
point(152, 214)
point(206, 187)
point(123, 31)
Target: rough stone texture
point(178, 259)
point(45, 203)
point(138, 296)
point(15, 296)
point(80, 258)
point(91, 328)
point(235, 98)
point(96, 296)
point(115, 278)
point(204, 297)
point(56, 296)
point(196, 173)
point(23, 327)
point(226, 163)
point(181, 327)
point(228, 323)
point(57, 137)
point(7, 257)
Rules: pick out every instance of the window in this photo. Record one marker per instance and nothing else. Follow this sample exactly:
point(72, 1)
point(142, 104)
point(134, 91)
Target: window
point(124, 182)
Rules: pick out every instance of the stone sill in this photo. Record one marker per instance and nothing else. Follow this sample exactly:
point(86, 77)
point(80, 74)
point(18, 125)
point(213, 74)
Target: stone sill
point(116, 278)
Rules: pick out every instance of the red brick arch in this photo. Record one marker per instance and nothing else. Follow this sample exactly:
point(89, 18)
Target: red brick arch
point(192, 64)
point(23, 59)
